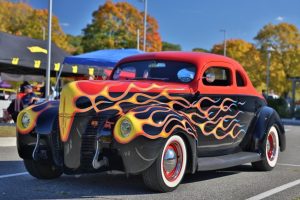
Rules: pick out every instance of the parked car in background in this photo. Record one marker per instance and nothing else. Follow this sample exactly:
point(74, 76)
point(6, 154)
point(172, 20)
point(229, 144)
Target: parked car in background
point(297, 111)
point(281, 105)
point(176, 113)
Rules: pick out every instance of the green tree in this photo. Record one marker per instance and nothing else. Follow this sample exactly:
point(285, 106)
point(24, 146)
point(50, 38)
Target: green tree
point(248, 56)
point(115, 25)
point(75, 44)
point(21, 19)
point(200, 50)
point(166, 46)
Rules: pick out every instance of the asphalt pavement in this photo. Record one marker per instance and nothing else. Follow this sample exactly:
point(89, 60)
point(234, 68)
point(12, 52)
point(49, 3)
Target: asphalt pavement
point(240, 182)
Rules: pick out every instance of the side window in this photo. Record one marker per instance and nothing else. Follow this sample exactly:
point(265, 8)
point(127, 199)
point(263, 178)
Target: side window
point(217, 76)
point(240, 82)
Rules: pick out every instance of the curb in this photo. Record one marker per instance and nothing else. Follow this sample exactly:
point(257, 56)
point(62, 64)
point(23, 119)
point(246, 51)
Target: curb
point(8, 141)
point(290, 122)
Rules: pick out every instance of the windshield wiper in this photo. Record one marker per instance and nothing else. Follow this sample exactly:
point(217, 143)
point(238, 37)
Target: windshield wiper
point(149, 78)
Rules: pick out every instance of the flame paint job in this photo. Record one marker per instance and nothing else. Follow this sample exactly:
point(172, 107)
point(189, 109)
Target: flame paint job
point(210, 117)
point(101, 93)
point(186, 119)
point(164, 119)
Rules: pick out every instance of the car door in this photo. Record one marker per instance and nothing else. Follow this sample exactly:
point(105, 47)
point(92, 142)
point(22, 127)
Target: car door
point(247, 105)
point(217, 110)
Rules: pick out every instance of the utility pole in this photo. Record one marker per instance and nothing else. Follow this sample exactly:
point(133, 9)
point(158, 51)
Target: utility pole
point(49, 50)
point(145, 24)
point(225, 42)
point(268, 69)
point(138, 39)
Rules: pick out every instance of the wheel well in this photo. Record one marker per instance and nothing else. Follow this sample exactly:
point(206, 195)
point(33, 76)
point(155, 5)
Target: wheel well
point(265, 118)
point(280, 137)
point(190, 160)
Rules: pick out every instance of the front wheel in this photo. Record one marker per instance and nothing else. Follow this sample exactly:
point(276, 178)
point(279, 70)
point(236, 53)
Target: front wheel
point(167, 171)
point(41, 170)
point(270, 151)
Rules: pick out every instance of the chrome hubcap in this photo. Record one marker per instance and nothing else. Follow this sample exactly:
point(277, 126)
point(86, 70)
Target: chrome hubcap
point(172, 161)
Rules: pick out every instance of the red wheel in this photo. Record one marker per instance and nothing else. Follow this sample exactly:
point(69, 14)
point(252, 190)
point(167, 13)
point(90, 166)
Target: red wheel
point(168, 170)
point(172, 162)
point(271, 151)
point(272, 147)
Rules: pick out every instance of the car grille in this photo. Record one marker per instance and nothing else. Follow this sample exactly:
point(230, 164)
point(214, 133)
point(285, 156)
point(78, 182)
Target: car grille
point(88, 144)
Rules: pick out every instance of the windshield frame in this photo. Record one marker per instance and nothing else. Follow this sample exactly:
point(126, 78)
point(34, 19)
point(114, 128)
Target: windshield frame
point(193, 65)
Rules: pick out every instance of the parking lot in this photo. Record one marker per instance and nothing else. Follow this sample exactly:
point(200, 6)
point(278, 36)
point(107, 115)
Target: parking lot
point(234, 183)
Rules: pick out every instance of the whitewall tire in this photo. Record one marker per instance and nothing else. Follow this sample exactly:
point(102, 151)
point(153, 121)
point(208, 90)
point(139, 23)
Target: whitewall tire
point(272, 147)
point(270, 151)
point(168, 170)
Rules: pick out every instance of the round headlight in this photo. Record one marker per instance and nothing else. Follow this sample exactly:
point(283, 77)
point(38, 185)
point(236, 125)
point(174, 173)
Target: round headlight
point(125, 128)
point(25, 120)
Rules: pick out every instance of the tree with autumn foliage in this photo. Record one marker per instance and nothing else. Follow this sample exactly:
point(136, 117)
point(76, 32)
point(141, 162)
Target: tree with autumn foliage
point(115, 25)
point(284, 40)
point(248, 56)
point(22, 20)
point(75, 44)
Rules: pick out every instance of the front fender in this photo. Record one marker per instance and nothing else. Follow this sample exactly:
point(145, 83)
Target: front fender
point(42, 117)
point(151, 126)
point(43, 121)
point(46, 121)
point(267, 117)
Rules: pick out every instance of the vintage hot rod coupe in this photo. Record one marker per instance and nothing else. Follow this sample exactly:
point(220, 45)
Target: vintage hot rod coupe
point(171, 113)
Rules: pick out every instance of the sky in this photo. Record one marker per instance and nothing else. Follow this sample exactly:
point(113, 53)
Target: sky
point(190, 23)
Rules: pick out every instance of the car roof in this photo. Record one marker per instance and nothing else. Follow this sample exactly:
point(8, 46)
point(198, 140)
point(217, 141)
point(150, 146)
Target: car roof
point(197, 58)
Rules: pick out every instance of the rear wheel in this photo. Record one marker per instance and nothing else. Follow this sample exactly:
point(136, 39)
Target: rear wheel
point(167, 171)
point(271, 151)
point(41, 170)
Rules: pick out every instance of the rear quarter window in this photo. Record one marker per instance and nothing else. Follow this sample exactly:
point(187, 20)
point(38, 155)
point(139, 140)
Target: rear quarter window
point(240, 80)
point(222, 76)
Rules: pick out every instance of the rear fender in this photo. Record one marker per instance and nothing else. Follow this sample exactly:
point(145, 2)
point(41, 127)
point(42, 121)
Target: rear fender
point(267, 117)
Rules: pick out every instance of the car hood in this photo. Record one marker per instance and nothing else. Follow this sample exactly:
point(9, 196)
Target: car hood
point(82, 97)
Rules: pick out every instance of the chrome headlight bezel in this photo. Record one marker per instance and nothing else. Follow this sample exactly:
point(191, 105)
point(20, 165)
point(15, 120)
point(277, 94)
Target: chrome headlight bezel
point(25, 120)
point(125, 128)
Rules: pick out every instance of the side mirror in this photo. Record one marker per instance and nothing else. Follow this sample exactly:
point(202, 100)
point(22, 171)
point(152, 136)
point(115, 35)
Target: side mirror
point(185, 75)
point(210, 77)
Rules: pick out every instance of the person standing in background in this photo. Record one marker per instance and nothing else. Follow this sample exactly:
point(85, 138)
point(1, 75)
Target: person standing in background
point(30, 97)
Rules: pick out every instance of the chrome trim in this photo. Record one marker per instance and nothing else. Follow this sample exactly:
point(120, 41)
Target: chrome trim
point(96, 162)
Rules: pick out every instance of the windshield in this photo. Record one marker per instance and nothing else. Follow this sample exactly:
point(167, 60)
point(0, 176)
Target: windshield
point(170, 71)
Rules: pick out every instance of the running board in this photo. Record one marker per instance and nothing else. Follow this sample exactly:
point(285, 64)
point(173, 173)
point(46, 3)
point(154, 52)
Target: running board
point(220, 162)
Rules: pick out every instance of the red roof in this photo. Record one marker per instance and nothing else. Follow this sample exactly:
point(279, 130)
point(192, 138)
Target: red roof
point(197, 58)
point(200, 60)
